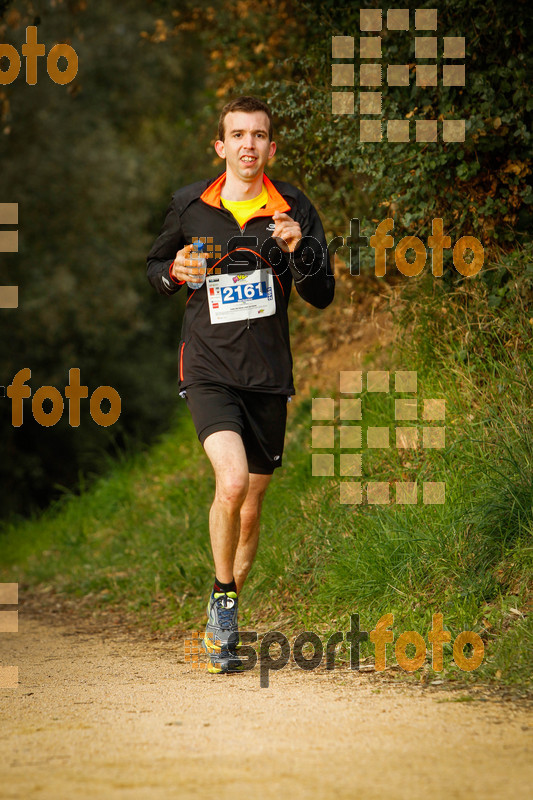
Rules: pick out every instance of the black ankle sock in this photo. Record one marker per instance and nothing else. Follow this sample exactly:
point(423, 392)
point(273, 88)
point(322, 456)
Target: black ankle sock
point(225, 587)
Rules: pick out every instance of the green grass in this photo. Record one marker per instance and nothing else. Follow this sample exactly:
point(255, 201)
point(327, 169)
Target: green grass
point(138, 539)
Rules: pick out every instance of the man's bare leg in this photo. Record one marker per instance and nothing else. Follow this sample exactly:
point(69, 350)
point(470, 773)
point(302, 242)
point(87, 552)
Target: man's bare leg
point(249, 527)
point(236, 510)
point(226, 452)
point(234, 531)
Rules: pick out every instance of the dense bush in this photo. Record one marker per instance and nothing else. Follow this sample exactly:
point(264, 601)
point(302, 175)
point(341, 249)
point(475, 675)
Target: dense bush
point(282, 52)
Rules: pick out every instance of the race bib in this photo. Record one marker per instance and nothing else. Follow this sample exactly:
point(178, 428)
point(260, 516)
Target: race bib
point(241, 296)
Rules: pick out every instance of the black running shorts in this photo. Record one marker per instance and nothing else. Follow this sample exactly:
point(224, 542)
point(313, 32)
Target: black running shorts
point(258, 417)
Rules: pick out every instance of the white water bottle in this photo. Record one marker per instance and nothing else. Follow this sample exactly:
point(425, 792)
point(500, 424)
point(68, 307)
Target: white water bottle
point(201, 264)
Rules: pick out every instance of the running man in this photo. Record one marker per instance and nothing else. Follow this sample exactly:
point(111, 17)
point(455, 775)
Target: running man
point(235, 363)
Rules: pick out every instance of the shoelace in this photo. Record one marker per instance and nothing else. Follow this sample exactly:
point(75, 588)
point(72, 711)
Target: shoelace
point(225, 615)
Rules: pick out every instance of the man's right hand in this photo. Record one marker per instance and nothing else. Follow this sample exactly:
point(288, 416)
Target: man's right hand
point(183, 268)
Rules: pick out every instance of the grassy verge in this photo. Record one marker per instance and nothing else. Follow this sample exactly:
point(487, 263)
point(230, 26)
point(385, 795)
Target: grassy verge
point(138, 539)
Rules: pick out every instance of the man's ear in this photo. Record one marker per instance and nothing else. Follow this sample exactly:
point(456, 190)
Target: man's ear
point(220, 149)
point(272, 150)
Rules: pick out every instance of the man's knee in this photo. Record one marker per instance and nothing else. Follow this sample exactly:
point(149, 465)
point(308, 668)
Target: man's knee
point(227, 455)
point(232, 488)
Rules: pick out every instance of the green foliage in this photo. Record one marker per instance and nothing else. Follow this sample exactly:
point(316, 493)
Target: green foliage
point(480, 187)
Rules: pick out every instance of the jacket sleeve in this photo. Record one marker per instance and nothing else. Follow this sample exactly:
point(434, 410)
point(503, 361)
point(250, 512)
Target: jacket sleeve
point(163, 252)
point(310, 264)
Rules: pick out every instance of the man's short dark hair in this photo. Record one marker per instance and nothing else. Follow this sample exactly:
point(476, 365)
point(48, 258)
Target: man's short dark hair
point(244, 103)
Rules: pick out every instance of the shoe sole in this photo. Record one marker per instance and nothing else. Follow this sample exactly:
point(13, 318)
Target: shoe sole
point(216, 669)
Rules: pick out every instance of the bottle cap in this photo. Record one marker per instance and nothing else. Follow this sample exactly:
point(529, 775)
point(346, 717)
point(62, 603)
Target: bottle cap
point(199, 246)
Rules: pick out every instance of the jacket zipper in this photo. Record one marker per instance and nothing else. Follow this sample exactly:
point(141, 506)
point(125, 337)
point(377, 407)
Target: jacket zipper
point(225, 212)
point(242, 234)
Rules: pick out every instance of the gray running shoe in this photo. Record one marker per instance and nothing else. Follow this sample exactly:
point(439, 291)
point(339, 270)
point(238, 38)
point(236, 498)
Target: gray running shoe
point(222, 629)
point(220, 664)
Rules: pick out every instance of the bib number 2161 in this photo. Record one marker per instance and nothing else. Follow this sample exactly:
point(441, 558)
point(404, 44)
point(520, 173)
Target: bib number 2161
point(240, 297)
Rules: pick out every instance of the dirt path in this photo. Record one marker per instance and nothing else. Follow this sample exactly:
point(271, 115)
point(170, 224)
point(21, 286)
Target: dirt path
point(101, 717)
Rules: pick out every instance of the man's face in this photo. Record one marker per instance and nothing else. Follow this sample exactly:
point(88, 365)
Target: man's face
point(246, 146)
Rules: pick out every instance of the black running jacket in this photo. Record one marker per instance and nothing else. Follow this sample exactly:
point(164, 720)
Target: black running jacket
point(251, 354)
